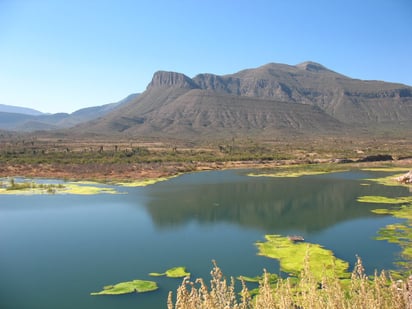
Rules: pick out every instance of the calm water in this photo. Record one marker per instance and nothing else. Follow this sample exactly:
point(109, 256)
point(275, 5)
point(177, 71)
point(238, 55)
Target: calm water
point(56, 249)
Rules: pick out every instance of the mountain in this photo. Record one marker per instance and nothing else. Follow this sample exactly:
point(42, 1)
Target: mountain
point(19, 110)
point(274, 99)
point(21, 119)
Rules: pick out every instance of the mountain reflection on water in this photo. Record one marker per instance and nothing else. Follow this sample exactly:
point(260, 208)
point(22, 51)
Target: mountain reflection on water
point(305, 203)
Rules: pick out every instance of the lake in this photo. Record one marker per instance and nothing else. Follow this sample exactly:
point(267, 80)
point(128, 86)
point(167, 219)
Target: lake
point(57, 249)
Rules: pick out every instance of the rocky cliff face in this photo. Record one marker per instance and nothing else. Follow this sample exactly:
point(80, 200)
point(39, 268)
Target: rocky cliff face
point(348, 100)
point(165, 79)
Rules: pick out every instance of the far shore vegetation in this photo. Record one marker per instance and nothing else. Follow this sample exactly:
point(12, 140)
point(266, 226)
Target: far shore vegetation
point(127, 159)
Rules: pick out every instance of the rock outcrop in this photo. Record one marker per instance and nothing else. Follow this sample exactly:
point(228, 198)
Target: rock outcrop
point(406, 178)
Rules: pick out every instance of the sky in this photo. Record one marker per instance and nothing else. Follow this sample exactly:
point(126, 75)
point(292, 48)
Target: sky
point(60, 55)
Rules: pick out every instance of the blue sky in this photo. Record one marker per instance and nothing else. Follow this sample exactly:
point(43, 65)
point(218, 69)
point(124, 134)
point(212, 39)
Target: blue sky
point(60, 56)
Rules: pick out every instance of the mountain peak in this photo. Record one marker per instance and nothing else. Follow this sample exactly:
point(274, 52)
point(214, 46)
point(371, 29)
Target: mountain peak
point(311, 66)
point(172, 79)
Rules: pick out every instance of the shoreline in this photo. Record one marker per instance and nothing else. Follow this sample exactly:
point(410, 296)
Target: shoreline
point(109, 172)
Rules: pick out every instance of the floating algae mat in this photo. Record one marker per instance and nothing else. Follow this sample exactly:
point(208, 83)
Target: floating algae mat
point(400, 234)
point(385, 169)
point(73, 188)
point(272, 278)
point(143, 182)
point(298, 171)
point(384, 199)
point(175, 272)
point(292, 256)
point(138, 286)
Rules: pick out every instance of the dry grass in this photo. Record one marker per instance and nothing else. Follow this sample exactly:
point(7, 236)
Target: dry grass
point(359, 291)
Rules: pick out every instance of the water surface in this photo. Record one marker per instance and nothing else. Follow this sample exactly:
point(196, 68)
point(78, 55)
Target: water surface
point(56, 249)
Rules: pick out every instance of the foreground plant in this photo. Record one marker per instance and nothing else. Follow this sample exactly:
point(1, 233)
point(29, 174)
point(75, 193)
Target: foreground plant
point(308, 291)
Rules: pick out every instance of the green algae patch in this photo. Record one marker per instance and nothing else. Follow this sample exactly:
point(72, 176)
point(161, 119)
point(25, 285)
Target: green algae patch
point(292, 257)
point(285, 174)
point(403, 212)
point(73, 188)
point(298, 171)
point(174, 272)
point(384, 199)
point(138, 286)
point(144, 182)
point(394, 169)
point(400, 234)
point(273, 278)
point(381, 211)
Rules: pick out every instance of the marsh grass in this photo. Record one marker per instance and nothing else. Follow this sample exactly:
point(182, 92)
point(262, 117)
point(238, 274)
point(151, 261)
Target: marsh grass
point(358, 291)
point(13, 187)
point(31, 185)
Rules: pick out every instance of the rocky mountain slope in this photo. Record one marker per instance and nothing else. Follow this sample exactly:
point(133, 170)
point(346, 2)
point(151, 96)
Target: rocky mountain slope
point(265, 101)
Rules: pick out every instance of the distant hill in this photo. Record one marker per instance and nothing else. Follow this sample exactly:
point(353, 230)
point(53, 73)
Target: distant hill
point(269, 100)
point(14, 118)
point(19, 110)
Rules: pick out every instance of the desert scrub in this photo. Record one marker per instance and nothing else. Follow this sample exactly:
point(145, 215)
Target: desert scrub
point(358, 291)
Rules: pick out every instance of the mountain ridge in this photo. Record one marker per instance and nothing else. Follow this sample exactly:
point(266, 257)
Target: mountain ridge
point(16, 119)
point(19, 110)
point(271, 99)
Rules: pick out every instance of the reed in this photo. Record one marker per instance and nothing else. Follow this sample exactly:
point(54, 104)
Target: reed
point(360, 291)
